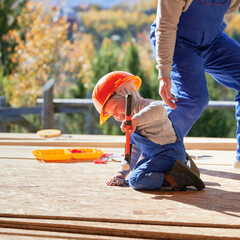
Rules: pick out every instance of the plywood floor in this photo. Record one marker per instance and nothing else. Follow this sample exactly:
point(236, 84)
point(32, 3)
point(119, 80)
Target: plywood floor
point(72, 200)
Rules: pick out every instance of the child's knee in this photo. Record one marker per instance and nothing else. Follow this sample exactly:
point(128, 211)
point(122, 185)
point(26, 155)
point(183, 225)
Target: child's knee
point(134, 180)
point(146, 181)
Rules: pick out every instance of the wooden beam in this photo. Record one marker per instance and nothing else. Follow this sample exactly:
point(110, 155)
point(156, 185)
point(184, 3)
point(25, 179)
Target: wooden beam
point(110, 141)
point(124, 230)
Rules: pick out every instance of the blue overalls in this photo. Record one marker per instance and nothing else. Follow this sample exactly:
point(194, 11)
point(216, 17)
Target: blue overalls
point(148, 173)
point(201, 46)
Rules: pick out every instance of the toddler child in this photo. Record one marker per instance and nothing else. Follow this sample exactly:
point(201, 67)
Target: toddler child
point(158, 157)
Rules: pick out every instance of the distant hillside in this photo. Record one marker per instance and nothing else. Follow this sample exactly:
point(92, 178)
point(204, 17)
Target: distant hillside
point(102, 3)
point(72, 3)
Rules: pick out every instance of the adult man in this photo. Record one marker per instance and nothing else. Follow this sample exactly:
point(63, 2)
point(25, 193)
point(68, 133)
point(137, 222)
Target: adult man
point(188, 40)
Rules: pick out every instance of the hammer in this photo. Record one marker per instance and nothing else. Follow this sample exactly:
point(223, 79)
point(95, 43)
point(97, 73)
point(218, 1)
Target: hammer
point(128, 123)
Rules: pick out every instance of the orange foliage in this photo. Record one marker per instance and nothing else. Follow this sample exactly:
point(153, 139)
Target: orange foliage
point(115, 19)
point(43, 51)
point(144, 5)
point(233, 23)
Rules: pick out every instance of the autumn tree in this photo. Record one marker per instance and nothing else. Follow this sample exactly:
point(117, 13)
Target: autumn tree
point(233, 24)
point(43, 51)
point(9, 11)
point(115, 22)
point(142, 5)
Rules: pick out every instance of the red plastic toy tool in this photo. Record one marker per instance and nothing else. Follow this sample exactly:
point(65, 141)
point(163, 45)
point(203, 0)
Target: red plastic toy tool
point(128, 146)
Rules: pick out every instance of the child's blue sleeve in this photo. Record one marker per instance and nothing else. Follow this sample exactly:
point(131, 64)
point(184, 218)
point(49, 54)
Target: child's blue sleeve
point(135, 155)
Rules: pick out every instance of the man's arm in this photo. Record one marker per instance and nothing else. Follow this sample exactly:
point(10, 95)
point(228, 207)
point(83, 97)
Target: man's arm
point(235, 5)
point(168, 14)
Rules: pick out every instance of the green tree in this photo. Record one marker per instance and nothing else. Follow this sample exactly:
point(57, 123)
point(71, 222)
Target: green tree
point(106, 60)
point(236, 35)
point(80, 90)
point(2, 79)
point(216, 123)
point(131, 63)
point(154, 83)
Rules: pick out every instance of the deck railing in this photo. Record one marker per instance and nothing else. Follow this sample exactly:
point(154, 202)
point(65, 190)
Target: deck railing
point(48, 106)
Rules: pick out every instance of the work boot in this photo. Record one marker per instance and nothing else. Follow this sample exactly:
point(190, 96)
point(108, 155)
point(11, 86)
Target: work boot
point(182, 176)
point(191, 164)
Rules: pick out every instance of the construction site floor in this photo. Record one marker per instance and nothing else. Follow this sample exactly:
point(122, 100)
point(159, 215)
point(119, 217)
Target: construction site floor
point(72, 201)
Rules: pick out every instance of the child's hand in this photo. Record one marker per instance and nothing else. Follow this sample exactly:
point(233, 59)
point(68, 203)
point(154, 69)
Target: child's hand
point(134, 124)
point(118, 175)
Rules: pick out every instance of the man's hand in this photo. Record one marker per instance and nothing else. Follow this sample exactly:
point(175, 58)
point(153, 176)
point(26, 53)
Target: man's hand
point(165, 92)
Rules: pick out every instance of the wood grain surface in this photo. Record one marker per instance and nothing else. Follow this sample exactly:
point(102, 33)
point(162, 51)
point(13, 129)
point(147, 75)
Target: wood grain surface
point(72, 201)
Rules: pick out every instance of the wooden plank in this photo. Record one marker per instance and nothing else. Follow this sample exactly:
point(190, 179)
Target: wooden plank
point(30, 187)
point(64, 137)
point(191, 143)
point(13, 234)
point(104, 220)
point(202, 143)
point(68, 144)
point(123, 230)
point(118, 144)
point(74, 196)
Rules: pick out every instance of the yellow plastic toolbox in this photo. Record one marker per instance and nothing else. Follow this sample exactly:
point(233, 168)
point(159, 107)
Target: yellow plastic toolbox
point(86, 153)
point(52, 154)
point(67, 155)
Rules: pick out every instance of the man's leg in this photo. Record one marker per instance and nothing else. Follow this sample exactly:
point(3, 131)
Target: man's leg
point(188, 84)
point(189, 87)
point(222, 61)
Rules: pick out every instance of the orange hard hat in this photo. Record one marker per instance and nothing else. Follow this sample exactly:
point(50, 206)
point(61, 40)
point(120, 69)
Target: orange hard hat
point(107, 85)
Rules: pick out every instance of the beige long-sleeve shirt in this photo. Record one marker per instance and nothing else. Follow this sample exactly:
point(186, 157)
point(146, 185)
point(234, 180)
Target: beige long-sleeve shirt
point(168, 14)
point(153, 121)
point(153, 124)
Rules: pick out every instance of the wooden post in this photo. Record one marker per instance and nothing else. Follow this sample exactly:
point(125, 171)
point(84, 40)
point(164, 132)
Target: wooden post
point(47, 106)
point(3, 127)
point(89, 117)
point(90, 120)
